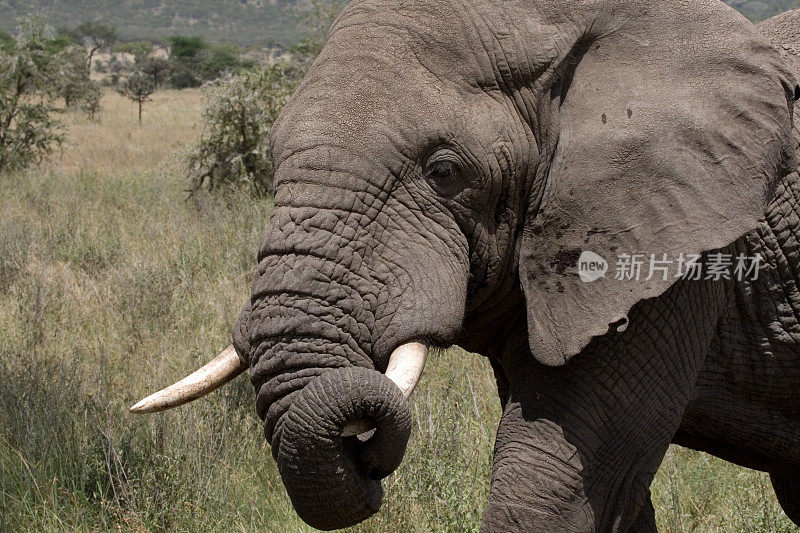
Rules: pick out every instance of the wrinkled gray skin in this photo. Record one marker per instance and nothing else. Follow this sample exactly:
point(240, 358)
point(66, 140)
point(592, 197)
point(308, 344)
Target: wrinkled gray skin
point(439, 171)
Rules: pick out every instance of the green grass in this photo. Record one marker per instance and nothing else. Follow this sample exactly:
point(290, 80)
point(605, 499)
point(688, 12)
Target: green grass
point(112, 285)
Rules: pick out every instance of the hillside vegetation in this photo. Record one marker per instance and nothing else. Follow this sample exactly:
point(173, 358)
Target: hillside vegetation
point(757, 10)
point(241, 21)
point(113, 284)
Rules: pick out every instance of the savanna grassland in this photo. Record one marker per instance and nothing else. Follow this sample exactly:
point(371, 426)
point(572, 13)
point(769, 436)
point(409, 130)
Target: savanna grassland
point(113, 284)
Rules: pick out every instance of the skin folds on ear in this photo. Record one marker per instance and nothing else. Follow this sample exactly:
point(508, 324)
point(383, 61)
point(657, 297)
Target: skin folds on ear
point(674, 126)
point(783, 31)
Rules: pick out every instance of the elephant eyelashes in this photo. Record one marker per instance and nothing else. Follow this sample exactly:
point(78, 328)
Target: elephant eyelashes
point(442, 170)
point(444, 175)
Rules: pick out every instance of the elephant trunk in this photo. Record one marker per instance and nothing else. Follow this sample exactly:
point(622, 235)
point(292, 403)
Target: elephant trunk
point(330, 305)
point(333, 481)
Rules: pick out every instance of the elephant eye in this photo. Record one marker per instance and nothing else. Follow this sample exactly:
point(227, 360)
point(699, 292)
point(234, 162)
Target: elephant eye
point(443, 174)
point(442, 170)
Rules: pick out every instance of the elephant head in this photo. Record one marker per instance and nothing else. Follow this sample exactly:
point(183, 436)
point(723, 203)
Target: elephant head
point(439, 171)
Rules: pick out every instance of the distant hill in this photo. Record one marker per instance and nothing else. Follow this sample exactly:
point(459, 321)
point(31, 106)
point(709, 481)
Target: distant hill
point(240, 21)
point(757, 10)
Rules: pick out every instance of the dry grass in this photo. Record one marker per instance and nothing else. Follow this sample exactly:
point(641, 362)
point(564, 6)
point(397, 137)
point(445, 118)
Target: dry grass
point(111, 285)
point(115, 143)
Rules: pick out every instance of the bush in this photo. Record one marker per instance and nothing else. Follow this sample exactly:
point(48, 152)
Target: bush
point(115, 66)
point(140, 50)
point(182, 77)
point(74, 84)
point(238, 112)
point(30, 76)
point(194, 60)
point(158, 68)
point(6, 41)
point(186, 49)
point(221, 58)
point(90, 100)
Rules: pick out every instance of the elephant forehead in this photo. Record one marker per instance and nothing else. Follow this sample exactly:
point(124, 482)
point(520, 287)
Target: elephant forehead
point(426, 29)
point(385, 104)
point(476, 43)
point(342, 104)
point(361, 84)
point(408, 67)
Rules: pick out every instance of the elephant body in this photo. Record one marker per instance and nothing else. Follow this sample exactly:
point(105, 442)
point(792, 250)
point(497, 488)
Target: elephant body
point(747, 398)
point(439, 172)
point(741, 401)
point(746, 406)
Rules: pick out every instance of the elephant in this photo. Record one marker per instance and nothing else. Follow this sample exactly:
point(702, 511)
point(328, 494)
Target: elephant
point(440, 173)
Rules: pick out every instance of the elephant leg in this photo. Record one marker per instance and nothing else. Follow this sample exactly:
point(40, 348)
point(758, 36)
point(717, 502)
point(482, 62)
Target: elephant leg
point(646, 521)
point(578, 445)
point(787, 489)
point(552, 476)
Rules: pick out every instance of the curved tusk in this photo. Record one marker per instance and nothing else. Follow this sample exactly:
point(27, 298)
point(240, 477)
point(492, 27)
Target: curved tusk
point(405, 368)
point(209, 378)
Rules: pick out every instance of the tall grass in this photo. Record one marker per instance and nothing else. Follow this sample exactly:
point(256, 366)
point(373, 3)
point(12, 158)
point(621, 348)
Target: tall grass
point(112, 284)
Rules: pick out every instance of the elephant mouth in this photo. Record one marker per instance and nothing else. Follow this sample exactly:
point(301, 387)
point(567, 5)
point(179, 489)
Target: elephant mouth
point(404, 370)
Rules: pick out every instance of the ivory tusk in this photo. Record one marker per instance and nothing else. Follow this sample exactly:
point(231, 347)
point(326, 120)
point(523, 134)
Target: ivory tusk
point(405, 368)
point(214, 374)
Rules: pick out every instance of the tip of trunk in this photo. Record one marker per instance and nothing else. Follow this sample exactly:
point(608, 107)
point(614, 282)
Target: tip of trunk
point(333, 480)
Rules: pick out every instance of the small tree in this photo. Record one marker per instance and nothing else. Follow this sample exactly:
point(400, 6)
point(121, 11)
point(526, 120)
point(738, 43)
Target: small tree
point(96, 37)
point(90, 102)
point(138, 87)
point(185, 54)
point(238, 112)
point(29, 74)
point(141, 50)
point(157, 67)
point(187, 50)
point(74, 83)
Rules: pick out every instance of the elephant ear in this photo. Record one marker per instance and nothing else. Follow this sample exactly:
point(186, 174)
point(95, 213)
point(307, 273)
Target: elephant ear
point(783, 31)
point(674, 127)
